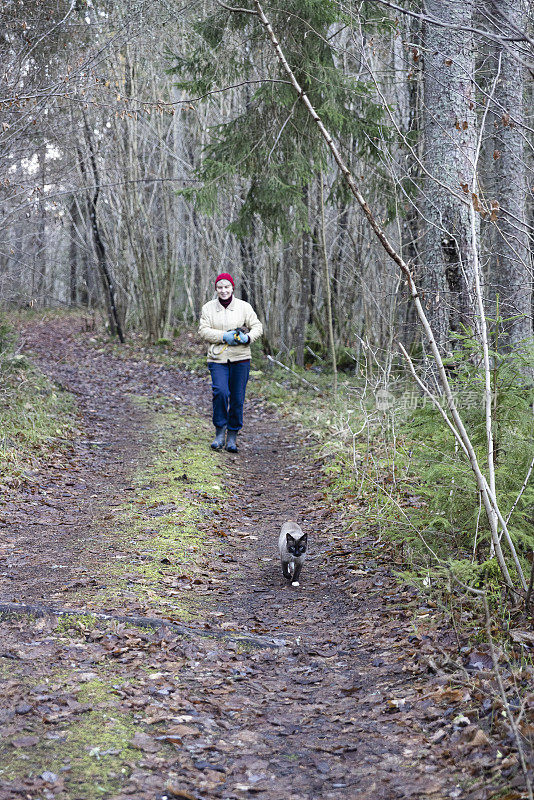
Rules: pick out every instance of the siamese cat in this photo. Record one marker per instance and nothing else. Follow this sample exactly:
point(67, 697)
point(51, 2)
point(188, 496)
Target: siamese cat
point(292, 543)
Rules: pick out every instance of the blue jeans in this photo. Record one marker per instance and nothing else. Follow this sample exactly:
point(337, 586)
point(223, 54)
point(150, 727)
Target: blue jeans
point(228, 383)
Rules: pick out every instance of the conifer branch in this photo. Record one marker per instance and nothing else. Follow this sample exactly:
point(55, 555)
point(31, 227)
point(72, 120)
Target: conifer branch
point(236, 10)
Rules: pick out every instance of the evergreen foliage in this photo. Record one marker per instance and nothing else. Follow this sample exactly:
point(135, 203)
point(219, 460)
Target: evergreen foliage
point(405, 475)
point(271, 143)
point(453, 510)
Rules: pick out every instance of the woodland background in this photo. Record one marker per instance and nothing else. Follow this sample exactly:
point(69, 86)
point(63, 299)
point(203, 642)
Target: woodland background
point(365, 172)
point(109, 162)
point(147, 146)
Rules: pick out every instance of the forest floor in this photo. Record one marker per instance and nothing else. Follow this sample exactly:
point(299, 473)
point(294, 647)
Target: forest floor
point(261, 689)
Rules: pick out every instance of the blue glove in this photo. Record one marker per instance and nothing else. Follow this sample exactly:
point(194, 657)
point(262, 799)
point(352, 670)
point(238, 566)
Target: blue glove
point(228, 337)
point(243, 338)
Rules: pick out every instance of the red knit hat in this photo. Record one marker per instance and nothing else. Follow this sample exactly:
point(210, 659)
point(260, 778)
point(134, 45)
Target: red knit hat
point(224, 276)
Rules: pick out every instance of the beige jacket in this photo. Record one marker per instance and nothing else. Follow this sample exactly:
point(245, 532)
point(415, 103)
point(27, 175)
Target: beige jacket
point(215, 320)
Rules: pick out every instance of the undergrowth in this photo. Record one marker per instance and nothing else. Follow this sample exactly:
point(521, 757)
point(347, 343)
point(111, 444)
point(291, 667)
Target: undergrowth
point(393, 464)
point(36, 417)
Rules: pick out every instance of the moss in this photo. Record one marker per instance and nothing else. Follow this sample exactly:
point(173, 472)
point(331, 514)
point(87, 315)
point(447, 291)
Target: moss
point(91, 751)
point(36, 420)
point(6, 669)
point(82, 622)
point(155, 534)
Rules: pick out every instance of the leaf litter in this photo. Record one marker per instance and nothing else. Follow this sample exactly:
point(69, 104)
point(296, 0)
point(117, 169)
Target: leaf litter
point(365, 694)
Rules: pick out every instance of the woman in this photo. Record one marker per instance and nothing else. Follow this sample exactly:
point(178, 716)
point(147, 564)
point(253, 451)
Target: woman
point(229, 325)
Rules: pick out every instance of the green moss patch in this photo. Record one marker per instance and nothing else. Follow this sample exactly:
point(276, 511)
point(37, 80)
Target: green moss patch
point(78, 732)
point(37, 419)
point(89, 752)
point(158, 547)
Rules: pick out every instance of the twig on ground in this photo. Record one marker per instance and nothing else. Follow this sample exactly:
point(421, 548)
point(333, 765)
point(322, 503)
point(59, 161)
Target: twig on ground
point(14, 609)
point(281, 364)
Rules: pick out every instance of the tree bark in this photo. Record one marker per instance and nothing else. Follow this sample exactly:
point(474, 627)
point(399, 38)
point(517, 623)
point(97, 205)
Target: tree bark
point(100, 248)
point(512, 278)
point(73, 255)
point(328, 293)
point(448, 153)
point(248, 265)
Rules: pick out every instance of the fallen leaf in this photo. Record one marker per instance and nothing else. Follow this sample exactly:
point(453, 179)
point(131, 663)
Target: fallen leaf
point(142, 741)
point(523, 637)
point(182, 730)
point(480, 661)
point(396, 703)
point(177, 791)
point(84, 677)
point(461, 721)
point(25, 741)
point(456, 695)
point(479, 739)
point(509, 761)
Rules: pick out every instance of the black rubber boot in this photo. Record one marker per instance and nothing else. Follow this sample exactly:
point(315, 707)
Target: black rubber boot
point(218, 442)
point(231, 443)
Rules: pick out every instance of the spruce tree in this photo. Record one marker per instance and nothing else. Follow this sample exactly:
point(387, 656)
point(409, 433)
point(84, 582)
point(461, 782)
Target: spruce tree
point(270, 145)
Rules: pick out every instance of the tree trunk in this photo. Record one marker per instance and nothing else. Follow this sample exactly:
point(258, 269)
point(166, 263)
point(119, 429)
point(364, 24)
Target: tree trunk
point(100, 248)
point(338, 260)
point(290, 254)
point(512, 277)
point(303, 309)
point(73, 255)
point(448, 153)
point(327, 293)
point(41, 241)
point(248, 281)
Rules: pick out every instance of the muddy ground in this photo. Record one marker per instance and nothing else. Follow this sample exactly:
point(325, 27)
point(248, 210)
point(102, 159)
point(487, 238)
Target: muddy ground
point(332, 690)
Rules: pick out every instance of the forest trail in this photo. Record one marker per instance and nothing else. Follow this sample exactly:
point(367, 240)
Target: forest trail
point(335, 699)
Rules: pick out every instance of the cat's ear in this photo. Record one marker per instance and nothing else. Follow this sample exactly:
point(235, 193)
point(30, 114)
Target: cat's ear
point(290, 539)
point(304, 536)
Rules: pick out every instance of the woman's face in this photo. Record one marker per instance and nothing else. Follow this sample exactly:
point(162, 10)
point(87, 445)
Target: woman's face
point(224, 289)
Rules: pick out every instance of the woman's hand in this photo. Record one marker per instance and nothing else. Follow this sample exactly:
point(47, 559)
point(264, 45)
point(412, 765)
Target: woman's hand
point(244, 338)
point(228, 337)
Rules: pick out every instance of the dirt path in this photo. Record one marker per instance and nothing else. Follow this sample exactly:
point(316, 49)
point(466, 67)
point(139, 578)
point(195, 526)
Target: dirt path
point(344, 704)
